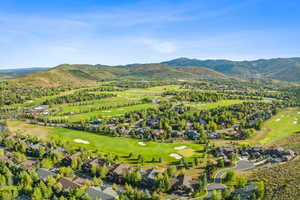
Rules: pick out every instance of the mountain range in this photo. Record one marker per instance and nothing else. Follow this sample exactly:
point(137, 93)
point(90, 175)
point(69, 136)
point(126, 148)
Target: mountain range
point(12, 73)
point(285, 69)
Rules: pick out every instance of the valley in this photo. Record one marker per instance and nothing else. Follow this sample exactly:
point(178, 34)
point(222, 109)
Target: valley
point(170, 127)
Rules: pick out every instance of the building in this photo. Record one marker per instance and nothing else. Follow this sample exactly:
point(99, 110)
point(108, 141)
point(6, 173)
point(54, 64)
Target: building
point(70, 183)
point(183, 185)
point(117, 174)
point(102, 193)
point(44, 173)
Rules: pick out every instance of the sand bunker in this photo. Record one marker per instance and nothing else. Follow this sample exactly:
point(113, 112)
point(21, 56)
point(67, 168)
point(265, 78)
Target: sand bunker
point(180, 147)
point(295, 122)
point(106, 111)
point(81, 141)
point(142, 143)
point(175, 155)
point(277, 120)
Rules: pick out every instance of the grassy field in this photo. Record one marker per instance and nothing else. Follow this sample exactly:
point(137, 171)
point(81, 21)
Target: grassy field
point(113, 112)
point(117, 145)
point(279, 126)
point(218, 104)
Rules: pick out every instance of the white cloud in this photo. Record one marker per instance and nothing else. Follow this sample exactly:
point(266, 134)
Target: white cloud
point(160, 46)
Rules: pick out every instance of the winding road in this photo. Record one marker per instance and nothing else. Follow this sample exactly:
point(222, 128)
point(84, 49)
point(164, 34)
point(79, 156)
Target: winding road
point(241, 165)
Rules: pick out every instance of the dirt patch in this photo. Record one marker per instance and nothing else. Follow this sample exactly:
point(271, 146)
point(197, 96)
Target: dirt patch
point(21, 127)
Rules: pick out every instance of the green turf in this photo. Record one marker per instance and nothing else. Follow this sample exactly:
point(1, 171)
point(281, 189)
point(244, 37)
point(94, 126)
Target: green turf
point(218, 104)
point(281, 125)
point(123, 146)
point(108, 113)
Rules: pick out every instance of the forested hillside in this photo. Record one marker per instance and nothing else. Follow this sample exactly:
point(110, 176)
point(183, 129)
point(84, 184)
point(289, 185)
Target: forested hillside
point(287, 69)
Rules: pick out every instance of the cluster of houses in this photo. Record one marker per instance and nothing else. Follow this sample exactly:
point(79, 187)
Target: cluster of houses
point(181, 185)
point(37, 110)
point(255, 153)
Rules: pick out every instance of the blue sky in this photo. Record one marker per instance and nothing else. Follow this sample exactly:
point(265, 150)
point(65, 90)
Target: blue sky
point(35, 33)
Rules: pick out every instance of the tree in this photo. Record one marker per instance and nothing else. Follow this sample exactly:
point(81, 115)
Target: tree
point(171, 171)
point(102, 171)
point(46, 163)
point(160, 160)
point(221, 163)
point(253, 196)
point(241, 181)
point(260, 189)
point(37, 194)
point(66, 171)
point(230, 176)
point(216, 195)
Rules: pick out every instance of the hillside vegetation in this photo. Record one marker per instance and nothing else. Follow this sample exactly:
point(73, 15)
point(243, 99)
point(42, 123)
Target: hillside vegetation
point(283, 180)
point(89, 74)
point(281, 69)
point(287, 69)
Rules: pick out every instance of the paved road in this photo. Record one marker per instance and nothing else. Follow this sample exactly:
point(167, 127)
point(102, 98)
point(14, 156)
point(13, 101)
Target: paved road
point(241, 165)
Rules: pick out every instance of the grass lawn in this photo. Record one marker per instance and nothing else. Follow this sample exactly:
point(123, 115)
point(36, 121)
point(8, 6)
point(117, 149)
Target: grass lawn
point(279, 126)
point(117, 145)
point(108, 113)
point(114, 101)
point(218, 104)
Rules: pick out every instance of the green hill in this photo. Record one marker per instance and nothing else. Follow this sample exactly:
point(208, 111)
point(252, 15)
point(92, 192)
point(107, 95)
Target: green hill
point(89, 74)
point(284, 69)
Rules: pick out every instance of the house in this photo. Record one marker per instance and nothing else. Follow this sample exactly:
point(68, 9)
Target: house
point(70, 183)
point(183, 185)
point(113, 121)
point(96, 121)
point(33, 149)
point(177, 133)
point(6, 159)
point(10, 137)
point(29, 164)
point(45, 173)
point(192, 134)
point(118, 172)
point(102, 193)
point(68, 160)
point(180, 110)
point(152, 123)
point(94, 162)
point(202, 121)
point(23, 197)
point(141, 131)
point(149, 176)
point(58, 150)
point(213, 135)
point(224, 151)
point(158, 132)
point(39, 110)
